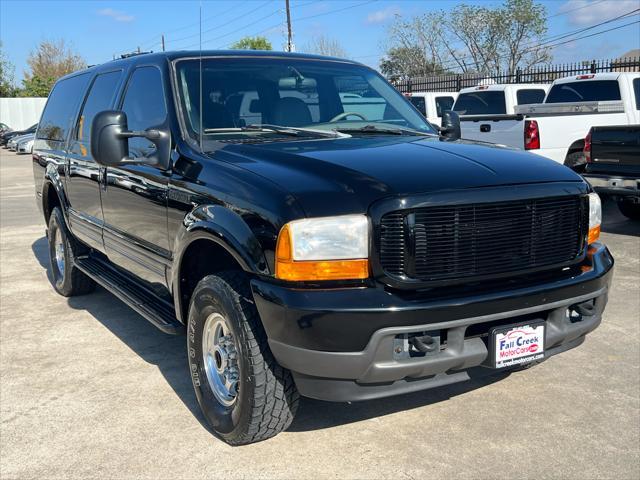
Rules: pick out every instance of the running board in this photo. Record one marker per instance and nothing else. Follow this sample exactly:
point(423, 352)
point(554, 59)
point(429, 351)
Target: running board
point(158, 311)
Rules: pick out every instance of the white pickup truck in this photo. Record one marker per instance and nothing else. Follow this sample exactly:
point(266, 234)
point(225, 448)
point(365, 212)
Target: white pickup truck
point(432, 104)
point(488, 112)
point(557, 127)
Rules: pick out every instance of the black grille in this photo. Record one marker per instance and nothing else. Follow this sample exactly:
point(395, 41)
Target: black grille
point(466, 241)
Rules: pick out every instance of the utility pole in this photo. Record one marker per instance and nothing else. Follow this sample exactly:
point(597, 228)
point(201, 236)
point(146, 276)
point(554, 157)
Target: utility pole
point(163, 42)
point(289, 34)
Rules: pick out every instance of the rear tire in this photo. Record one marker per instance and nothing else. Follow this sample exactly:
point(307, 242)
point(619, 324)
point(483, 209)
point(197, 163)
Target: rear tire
point(629, 210)
point(244, 394)
point(63, 248)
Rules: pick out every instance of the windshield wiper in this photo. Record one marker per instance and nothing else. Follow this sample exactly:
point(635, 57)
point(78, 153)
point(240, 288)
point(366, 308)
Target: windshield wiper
point(389, 131)
point(267, 127)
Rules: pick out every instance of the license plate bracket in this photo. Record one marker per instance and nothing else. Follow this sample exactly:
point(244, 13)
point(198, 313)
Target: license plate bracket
point(516, 344)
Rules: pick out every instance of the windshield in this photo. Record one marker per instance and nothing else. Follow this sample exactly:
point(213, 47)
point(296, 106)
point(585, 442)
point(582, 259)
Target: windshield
point(305, 94)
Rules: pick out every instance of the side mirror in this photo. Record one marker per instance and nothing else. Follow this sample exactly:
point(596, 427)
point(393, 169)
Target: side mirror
point(450, 130)
point(109, 145)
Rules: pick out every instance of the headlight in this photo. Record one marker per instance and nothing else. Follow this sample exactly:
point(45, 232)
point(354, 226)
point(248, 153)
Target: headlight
point(330, 248)
point(595, 217)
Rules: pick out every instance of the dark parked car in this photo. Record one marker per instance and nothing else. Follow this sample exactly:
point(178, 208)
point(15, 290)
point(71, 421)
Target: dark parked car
point(4, 128)
point(309, 231)
point(5, 137)
point(613, 165)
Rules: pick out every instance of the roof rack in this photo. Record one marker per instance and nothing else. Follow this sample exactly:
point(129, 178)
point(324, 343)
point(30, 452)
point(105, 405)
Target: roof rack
point(133, 54)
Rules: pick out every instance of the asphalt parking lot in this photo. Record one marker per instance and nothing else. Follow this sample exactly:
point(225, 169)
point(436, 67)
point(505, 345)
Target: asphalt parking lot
point(89, 389)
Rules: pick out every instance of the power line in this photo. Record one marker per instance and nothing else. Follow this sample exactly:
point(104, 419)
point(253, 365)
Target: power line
point(577, 8)
point(224, 24)
point(209, 40)
point(547, 41)
point(558, 37)
point(311, 16)
point(597, 33)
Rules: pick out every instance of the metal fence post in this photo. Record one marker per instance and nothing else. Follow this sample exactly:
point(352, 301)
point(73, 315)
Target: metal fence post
point(593, 66)
point(458, 82)
point(518, 75)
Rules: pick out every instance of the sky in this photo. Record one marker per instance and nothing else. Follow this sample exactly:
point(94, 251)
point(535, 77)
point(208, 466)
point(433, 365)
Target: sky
point(98, 30)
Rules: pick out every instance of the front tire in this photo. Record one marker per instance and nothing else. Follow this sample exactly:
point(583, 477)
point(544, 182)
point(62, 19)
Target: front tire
point(67, 279)
point(244, 394)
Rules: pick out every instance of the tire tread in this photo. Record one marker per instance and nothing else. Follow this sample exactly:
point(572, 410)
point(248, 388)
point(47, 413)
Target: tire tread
point(275, 397)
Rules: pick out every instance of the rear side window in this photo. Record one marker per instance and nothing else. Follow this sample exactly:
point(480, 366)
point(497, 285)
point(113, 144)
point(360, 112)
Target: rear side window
point(62, 105)
point(525, 97)
point(145, 106)
point(100, 98)
point(443, 104)
point(584, 91)
point(636, 89)
point(481, 103)
point(419, 103)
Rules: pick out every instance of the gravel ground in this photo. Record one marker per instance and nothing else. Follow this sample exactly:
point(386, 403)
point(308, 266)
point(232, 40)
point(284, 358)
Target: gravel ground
point(89, 389)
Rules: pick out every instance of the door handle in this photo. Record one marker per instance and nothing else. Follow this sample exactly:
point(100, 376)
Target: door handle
point(485, 127)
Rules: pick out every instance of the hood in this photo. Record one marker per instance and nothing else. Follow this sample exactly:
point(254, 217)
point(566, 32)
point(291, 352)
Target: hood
point(348, 174)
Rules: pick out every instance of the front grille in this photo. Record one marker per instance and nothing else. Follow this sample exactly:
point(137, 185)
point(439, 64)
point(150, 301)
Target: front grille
point(488, 239)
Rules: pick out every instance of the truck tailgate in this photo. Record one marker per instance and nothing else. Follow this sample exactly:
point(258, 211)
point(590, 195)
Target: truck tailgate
point(500, 129)
point(616, 145)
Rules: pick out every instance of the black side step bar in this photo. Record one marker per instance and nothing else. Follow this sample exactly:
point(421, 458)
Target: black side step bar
point(158, 311)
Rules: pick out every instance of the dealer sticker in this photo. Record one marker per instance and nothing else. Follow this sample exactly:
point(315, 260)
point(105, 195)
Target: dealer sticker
point(519, 344)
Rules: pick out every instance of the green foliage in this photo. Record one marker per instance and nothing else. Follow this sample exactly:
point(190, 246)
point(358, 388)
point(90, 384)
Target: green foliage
point(252, 43)
point(35, 86)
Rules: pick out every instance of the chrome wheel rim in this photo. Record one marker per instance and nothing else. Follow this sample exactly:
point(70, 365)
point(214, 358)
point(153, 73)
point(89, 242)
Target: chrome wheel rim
point(58, 245)
point(220, 359)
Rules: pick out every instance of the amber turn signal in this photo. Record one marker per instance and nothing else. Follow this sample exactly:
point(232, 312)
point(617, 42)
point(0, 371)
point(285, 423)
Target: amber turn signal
point(594, 235)
point(309, 270)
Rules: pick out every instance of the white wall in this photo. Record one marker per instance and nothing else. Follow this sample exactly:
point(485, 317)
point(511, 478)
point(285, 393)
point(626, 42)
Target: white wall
point(21, 113)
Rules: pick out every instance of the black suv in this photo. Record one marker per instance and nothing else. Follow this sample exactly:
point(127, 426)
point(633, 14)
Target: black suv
point(309, 231)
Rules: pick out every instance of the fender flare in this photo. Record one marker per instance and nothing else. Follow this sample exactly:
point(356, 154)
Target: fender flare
point(223, 227)
point(53, 180)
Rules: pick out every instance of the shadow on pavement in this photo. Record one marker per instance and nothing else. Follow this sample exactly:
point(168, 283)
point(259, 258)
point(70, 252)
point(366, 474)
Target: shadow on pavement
point(317, 415)
point(168, 353)
point(614, 222)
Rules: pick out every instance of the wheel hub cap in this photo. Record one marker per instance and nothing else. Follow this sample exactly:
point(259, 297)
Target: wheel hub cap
point(59, 251)
point(220, 359)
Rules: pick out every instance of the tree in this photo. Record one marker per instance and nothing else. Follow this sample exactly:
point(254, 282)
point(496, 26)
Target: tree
point(405, 62)
point(252, 43)
point(489, 39)
point(416, 46)
point(524, 22)
point(51, 60)
point(7, 88)
point(323, 45)
point(35, 86)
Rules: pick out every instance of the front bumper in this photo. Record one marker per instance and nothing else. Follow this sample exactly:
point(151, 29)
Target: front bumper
point(339, 344)
point(612, 185)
